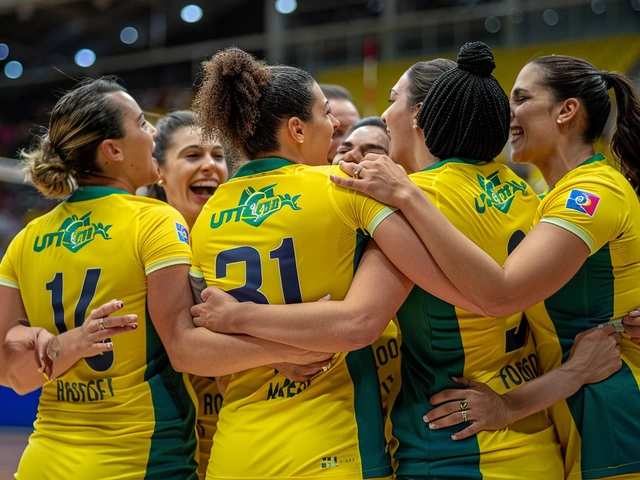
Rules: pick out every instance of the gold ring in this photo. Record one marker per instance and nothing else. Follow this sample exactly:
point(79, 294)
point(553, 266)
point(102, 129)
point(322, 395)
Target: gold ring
point(356, 172)
point(464, 416)
point(101, 322)
point(464, 405)
point(326, 367)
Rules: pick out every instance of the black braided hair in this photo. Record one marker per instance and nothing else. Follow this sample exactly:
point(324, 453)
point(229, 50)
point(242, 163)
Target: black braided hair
point(466, 113)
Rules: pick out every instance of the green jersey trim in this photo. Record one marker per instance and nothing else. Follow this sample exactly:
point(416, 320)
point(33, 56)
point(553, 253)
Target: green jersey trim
point(167, 262)
point(260, 166)
point(173, 442)
point(195, 273)
point(577, 231)
point(468, 161)
point(379, 218)
point(5, 282)
point(598, 157)
point(93, 192)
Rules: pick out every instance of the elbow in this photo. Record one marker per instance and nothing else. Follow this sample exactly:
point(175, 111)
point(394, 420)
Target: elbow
point(19, 386)
point(363, 330)
point(176, 360)
point(501, 305)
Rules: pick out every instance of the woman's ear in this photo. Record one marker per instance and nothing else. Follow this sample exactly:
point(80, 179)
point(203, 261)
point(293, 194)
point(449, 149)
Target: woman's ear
point(296, 129)
point(112, 150)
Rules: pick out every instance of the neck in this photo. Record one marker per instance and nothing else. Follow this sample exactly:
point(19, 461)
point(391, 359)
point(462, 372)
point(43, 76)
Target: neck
point(420, 157)
point(286, 153)
point(563, 160)
point(98, 180)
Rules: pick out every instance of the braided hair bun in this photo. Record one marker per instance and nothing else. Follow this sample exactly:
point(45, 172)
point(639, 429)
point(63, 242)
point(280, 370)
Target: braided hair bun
point(466, 113)
point(477, 59)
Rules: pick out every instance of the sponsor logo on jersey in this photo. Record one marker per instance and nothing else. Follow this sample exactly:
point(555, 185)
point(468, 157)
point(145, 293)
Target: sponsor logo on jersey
point(73, 234)
point(255, 206)
point(583, 202)
point(497, 194)
point(183, 233)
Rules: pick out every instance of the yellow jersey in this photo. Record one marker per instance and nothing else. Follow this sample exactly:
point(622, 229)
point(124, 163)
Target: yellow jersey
point(597, 426)
point(280, 232)
point(209, 405)
point(493, 207)
point(125, 414)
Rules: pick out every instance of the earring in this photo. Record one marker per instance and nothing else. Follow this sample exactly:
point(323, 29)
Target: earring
point(559, 121)
point(160, 182)
point(415, 126)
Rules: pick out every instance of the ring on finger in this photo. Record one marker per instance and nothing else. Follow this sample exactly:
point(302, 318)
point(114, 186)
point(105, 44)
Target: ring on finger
point(465, 417)
point(464, 405)
point(101, 323)
point(356, 172)
point(326, 367)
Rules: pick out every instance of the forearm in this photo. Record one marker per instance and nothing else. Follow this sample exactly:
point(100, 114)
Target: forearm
point(22, 373)
point(324, 326)
point(543, 392)
point(471, 270)
point(201, 352)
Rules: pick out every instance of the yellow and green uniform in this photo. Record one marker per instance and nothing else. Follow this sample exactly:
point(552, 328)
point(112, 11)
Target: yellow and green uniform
point(493, 207)
point(597, 426)
point(209, 405)
point(280, 232)
point(387, 353)
point(125, 414)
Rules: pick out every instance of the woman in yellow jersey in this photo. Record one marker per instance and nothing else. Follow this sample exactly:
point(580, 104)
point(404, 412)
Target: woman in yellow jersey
point(434, 356)
point(125, 414)
point(581, 260)
point(190, 173)
point(280, 232)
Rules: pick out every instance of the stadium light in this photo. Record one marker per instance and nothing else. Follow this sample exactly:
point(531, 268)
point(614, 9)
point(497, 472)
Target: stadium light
point(286, 7)
point(598, 6)
point(85, 58)
point(191, 13)
point(4, 51)
point(128, 35)
point(550, 17)
point(13, 69)
point(492, 24)
point(516, 15)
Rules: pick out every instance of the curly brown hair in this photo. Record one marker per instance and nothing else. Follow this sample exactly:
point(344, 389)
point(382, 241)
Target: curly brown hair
point(243, 101)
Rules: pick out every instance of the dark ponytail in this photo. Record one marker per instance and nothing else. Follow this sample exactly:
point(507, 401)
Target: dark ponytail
point(243, 101)
point(625, 141)
point(570, 77)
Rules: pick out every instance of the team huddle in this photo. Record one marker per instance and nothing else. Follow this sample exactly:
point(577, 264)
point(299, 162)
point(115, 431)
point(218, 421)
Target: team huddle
point(413, 311)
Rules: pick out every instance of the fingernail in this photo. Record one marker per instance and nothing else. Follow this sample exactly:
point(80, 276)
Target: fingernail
point(109, 346)
point(453, 437)
point(327, 297)
point(120, 304)
point(432, 426)
point(134, 325)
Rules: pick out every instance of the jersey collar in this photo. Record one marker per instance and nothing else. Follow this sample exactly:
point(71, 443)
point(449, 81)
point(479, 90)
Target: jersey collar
point(468, 161)
point(260, 166)
point(596, 158)
point(93, 192)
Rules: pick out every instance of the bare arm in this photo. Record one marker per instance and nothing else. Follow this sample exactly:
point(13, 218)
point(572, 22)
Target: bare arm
point(401, 243)
point(199, 351)
point(32, 355)
point(545, 260)
point(376, 293)
point(595, 355)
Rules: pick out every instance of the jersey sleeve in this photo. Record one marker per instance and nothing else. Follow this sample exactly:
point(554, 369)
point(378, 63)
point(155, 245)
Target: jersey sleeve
point(356, 209)
point(9, 264)
point(163, 238)
point(594, 210)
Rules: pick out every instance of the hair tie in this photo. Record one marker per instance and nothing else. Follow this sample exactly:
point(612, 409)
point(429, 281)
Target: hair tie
point(608, 80)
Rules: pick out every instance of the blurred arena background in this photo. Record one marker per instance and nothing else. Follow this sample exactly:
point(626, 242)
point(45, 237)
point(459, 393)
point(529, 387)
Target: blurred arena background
point(156, 46)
